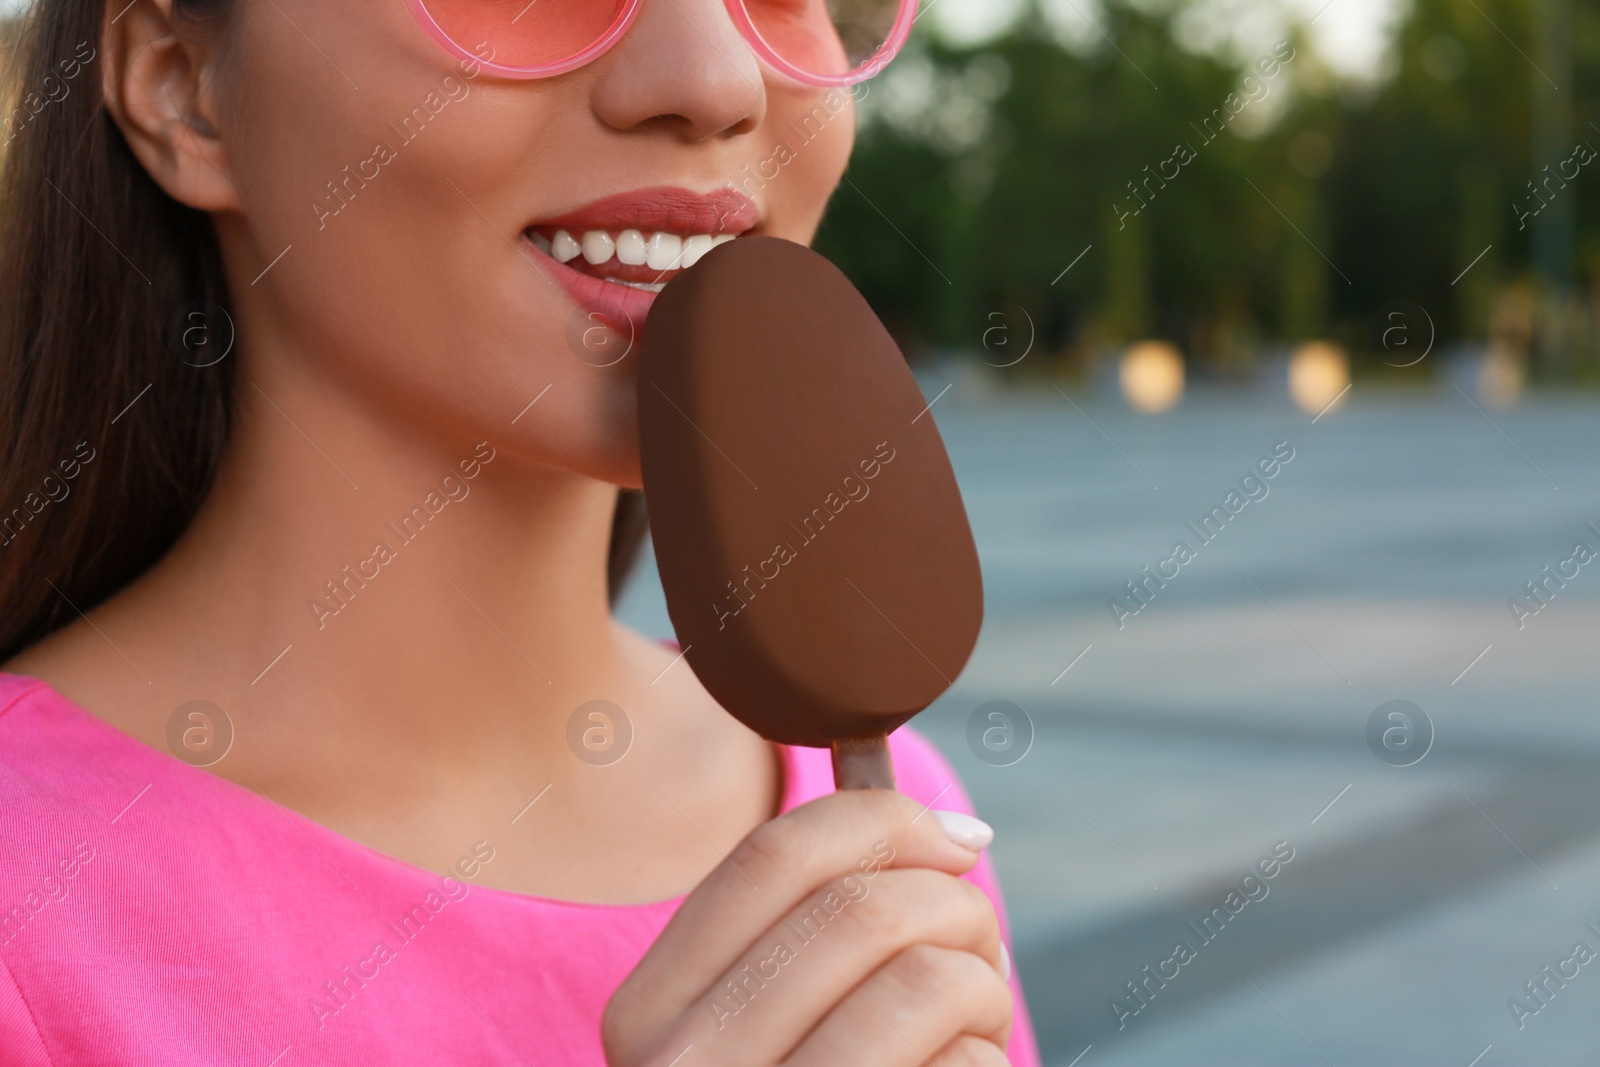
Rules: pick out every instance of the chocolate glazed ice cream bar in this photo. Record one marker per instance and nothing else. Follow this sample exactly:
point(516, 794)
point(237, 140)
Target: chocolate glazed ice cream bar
point(817, 560)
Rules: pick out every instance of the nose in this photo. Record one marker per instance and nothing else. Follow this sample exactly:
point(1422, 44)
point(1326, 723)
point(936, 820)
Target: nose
point(682, 67)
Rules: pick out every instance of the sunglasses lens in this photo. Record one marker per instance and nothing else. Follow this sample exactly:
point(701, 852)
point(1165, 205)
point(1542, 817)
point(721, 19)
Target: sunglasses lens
point(524, 33)
point(825, 37)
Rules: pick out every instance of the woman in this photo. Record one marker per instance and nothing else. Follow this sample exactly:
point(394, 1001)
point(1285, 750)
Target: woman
point(313, 440)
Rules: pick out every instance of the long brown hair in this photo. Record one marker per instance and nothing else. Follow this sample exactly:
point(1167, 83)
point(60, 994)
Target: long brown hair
point(114, 409)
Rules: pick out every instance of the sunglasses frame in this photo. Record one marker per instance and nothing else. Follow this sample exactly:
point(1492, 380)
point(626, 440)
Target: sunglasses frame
point(898, 33)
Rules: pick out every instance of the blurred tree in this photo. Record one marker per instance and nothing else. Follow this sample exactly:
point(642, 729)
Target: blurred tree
point(1073, 155)
point(982, 173)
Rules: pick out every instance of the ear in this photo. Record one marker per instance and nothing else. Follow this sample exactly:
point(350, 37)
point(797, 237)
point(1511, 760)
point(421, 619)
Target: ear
point(158, 82)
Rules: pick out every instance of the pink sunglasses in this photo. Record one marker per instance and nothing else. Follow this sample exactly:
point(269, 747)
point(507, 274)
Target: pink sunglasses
point(813, 42)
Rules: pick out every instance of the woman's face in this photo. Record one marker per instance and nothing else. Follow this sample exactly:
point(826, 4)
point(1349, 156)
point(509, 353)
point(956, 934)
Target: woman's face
point(417, 198)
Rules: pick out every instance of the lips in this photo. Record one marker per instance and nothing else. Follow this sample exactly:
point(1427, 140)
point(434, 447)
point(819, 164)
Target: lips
point(668, 208)
point(614, 254)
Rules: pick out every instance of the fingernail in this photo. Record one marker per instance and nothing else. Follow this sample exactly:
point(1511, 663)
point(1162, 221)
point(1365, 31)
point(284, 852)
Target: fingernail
point(1005, 963)
point(966, 831)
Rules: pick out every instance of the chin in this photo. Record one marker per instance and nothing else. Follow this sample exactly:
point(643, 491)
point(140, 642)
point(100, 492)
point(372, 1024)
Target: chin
point(594, 435)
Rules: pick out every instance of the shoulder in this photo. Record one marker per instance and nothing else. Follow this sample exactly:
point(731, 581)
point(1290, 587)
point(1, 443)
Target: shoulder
point(36, 727)
point(63, 777)
point(53, 752)
point(19, 1034)
point(15, 687)
point(77, 795)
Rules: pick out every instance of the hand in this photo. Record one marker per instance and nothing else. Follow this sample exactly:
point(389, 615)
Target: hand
point(838, 933)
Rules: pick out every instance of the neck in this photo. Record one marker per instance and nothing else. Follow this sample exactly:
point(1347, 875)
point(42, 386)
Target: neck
point(405, 629)
point(360, 580)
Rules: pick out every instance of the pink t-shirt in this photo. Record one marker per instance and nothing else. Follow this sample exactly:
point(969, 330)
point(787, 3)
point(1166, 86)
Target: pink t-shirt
point(154, 913)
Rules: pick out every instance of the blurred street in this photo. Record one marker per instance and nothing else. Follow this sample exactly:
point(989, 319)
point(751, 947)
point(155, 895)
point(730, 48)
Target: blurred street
point(1231, 714)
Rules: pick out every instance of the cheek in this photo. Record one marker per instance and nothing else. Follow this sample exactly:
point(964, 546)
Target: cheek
point(820, 152)
point(367, 253)
point(406, 278)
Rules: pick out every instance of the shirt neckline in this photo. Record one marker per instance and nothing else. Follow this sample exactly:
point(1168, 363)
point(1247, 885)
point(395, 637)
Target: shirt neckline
point(170, 765)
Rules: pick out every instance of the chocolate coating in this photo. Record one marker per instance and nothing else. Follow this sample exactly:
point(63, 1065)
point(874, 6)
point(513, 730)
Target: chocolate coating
point(817, 560)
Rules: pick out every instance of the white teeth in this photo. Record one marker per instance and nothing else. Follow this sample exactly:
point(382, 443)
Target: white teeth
point(631, 249)
point(598, 246)
point(660, 251)
point(695, 247)
point(664, 251)
point(563, 247)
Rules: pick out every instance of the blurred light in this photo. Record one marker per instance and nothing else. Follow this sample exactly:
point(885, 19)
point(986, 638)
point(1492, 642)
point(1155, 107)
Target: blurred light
point(1073, 24)
point(1152, 376)
point(1500, 377)
point(968, 23)
point(1355, 38)
point(1319, 373)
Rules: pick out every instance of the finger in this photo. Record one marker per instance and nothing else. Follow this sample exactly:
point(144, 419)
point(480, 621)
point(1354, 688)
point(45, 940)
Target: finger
point(800, 969)
point(921, 1002)
point(969, 1051)
point(775, 867)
